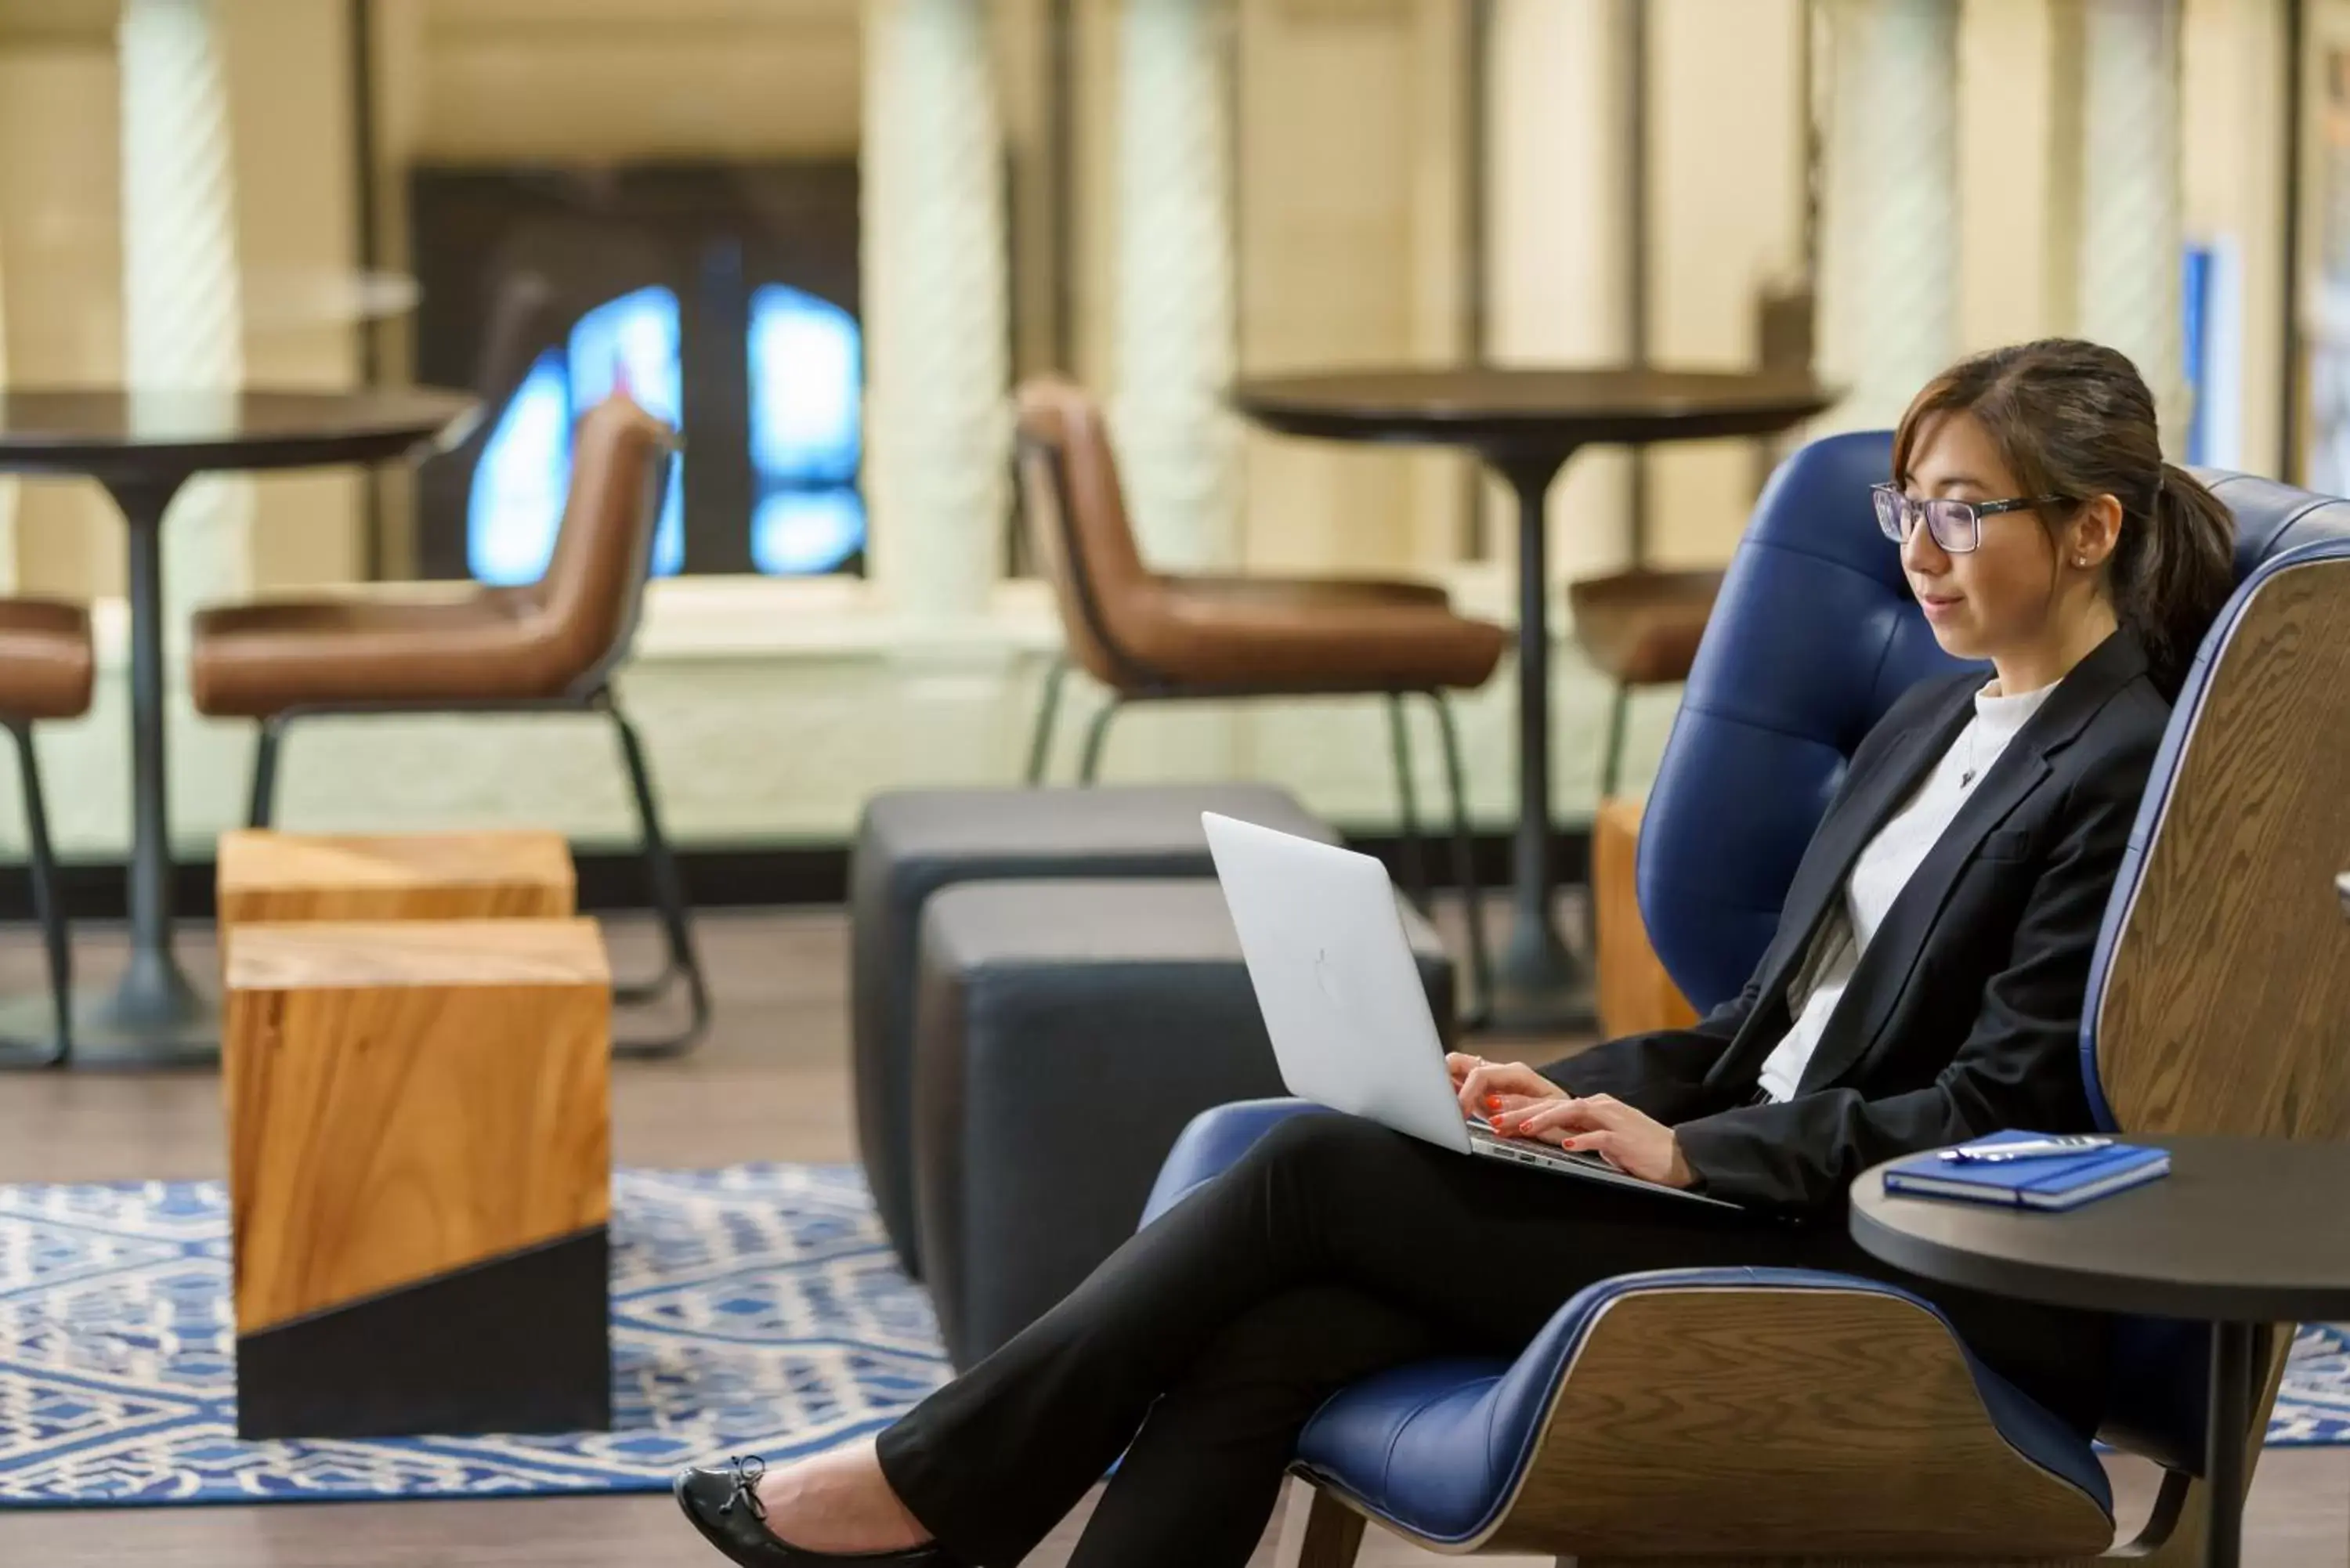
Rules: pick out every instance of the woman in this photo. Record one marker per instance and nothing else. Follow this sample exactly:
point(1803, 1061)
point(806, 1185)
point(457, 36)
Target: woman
point(1925, 986)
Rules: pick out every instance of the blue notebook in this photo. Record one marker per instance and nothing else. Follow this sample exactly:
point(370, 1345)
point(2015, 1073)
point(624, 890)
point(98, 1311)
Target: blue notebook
point(2050, 1182)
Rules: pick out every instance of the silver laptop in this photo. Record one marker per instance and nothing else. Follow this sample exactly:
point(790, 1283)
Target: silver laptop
point(1342, 998)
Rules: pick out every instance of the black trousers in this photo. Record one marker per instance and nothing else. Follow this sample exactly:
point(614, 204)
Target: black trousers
point(1335, 1249)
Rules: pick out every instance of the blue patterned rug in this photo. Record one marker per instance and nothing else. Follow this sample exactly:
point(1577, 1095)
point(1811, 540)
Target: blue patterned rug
point(754, 1309)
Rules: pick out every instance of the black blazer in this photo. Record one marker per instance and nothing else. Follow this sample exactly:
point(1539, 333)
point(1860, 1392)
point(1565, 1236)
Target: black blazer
point(1964, 1013)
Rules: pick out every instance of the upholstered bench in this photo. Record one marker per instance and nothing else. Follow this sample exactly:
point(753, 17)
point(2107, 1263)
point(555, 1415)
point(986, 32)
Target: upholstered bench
point(1064, 1032)
point(911, 843)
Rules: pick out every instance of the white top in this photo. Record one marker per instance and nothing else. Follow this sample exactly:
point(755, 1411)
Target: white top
point(1883, 870)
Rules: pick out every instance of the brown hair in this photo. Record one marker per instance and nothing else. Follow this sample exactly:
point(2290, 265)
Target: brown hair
point(2075, 419)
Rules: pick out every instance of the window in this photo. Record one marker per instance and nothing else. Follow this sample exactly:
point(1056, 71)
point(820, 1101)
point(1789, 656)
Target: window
point(515, 504)
point(722, 297)
point(807, 433)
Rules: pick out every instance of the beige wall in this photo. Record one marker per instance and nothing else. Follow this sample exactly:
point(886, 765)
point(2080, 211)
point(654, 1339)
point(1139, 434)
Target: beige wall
point(2234, 170)
point(1351, 236)
point(1726, 220)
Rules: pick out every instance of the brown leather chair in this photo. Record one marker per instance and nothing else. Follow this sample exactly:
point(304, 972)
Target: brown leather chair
point(46, 666)
point(1148, 636)
point(550, 646)
point(1640, 628)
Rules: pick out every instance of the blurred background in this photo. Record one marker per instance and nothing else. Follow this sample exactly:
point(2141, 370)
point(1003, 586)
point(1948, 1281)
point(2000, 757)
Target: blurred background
point(731, 206)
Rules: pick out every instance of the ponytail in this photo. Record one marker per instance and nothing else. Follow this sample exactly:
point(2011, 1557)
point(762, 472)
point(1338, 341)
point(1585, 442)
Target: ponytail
point(2173, 571)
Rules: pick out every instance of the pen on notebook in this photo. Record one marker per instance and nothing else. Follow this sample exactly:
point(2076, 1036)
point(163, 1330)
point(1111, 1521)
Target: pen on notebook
point(2024, 1148)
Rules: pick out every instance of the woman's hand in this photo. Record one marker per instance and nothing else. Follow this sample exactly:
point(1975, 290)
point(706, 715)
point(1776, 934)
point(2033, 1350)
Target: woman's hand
point(1487, 1089)
point(1633, 1143)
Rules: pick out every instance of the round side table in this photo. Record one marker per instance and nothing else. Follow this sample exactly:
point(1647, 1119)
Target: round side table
point(143, 446)
point(2241, 1233)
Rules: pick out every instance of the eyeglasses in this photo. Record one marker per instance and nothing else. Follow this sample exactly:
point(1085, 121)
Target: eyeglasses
point(1956, 526)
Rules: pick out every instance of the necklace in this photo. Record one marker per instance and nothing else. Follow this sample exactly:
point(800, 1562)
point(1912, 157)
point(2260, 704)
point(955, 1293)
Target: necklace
point(1966, 778)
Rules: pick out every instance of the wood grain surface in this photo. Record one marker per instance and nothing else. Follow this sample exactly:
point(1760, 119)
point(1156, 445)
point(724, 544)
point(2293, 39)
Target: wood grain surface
point(407, 1098)
point(343, 954)
point(1334, 1533)
point(2226, 998)
point(1752, 1424)
point(269, 876)
point(1635, 994)
point(1813, 1456)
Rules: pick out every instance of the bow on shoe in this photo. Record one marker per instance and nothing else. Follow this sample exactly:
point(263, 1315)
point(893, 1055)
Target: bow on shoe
point(747, 1472)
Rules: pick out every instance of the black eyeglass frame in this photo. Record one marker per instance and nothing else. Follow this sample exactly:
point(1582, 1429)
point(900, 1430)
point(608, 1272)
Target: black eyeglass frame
point(1893, 506)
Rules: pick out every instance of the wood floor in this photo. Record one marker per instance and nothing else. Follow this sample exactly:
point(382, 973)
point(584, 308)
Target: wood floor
point(771, 1083)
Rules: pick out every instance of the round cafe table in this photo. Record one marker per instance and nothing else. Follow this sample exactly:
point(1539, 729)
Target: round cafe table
point(1524, 424)
point(142, 447)
point(2243, 1232)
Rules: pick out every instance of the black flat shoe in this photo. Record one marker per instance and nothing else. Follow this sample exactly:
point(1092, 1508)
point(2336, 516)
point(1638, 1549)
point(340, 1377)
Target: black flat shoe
point(724, 1504)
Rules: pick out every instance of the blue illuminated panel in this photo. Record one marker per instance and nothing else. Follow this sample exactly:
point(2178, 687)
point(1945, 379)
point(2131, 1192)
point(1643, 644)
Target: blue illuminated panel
point(805, 363)
point(807, 432)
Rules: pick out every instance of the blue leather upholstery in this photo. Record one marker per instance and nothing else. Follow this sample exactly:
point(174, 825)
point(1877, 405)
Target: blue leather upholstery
point(1440, 1446)
point(1812, 636)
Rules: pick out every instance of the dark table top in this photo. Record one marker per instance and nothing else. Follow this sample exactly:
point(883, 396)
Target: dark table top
point(110, 430)
point(1501, 407)
point(2243, 1229)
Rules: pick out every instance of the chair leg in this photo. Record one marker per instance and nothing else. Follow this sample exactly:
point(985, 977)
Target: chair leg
point(1611, 766)
point(264, 770)
point(1415, 864)
point(668, 900)
point(1040, 744)
point(1334, 1534)
point(1465, 871)
point(41, 868)
point(1089, 766)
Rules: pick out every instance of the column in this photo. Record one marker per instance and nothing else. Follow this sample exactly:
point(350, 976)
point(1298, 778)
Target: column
point(183, 322)
point(1888, 223)
point(1179, 447)
point(2129, 255)
point(7, 483)
point(938, 419)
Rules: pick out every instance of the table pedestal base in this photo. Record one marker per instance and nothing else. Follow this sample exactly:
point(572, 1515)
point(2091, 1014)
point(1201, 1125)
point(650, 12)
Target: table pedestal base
point(151, 1018)
point(1540, 988)
point(2234, 1347)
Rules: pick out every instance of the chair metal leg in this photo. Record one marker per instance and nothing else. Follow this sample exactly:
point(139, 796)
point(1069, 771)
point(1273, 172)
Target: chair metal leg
point(264, 770)
point(41, 868)
point(1465, 871)
point(669, 901)
point(1040, 745)
point(1415, 863)
point(1089, 766)
point(1611, 766)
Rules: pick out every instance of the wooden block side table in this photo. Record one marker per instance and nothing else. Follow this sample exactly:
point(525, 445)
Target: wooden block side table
point(269, 876)
point(1635, 994)
point(420, 1152)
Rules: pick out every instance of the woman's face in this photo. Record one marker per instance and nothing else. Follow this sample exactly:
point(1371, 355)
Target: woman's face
point(1998, 600)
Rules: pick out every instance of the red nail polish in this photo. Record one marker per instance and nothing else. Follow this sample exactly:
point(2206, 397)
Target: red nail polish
point(1493, 1122)
point(1493, 1101)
